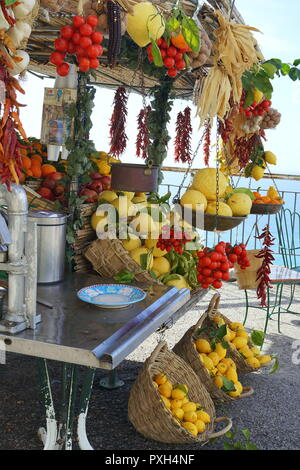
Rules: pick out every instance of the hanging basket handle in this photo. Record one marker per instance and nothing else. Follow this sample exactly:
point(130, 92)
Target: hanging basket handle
point(247, 392)
point(224, 430)
point(160, 348)
point(213, 305)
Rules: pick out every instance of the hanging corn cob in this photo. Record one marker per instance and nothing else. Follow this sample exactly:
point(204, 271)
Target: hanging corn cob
point(114, 24)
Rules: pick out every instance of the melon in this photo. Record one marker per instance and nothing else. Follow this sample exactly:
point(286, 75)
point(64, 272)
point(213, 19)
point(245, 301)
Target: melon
point(145, 23)
point(205, 181)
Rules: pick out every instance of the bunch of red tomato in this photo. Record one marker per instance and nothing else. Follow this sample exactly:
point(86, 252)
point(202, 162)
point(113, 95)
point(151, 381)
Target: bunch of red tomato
point(255, 109)
point(238, 254)
point(80, 39)
point(173, 58)
point(169, 240)
point(213, 266)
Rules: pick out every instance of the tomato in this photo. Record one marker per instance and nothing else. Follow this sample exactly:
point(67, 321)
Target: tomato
point(163, 53)
point(204, 262)
point(99, 49)
point(67, 32)
point(217, 284)
point(80, 51)
point(220, 249)
point(206, 272)
point(84, 64)
point(94, 63)
point(85, 42)
point(85, 30)
point(57, 58)
point(209, 280)
point(171, 51)
point(78, 21)
point(92, 52)
point(61, 44)
point(172, 73)
point(224, 267)
point(97, 37)
point(233, 258)
point(149, 49)
point(92, 20)
point(217, 274)
point(179, 56)
point(215, 256)
point(164, 44)
point(180, 65)
point(63, 69)
point(71, 48)
point(205, 286)
point(76, 38)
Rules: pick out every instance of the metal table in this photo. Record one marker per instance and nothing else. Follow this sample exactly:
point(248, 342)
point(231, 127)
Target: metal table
point(79, 334)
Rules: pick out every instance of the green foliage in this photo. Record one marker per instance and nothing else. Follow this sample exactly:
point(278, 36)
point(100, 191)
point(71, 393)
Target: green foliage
point(257, 337)
point(239, 440)
point(124, 277)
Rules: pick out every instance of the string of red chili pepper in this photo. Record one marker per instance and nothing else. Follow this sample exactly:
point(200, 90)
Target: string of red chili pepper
point(263, 273)
point(143, 137)
point(118, 137)
point(207, 142)
point(183, 150)
point(244, 147)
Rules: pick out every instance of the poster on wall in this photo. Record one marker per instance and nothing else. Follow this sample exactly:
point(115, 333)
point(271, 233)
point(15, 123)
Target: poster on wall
point(56, 126)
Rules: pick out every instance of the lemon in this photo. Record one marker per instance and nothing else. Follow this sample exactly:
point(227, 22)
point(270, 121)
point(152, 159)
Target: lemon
point(273, 193)
point(240, 204)
point(265, 359)
point(230, 335)
point(137, 254)
point(133, 243)
point(239, 342)
point(270, 158)
point(223, 209)
point(145, 226)
point(203, 416)
point(124, 207)
point(205, 181)
point(201, 357)
point(257, 173)
point(165, 390)
point(157, 252)
point(232, 375)
point(96, 219)
point(185, 400)
point(220, 351)
point(203, 346)
point(176, 404)
point(255, 351)
point(160, 379)
point(195, 199)
point(213, 371)
point(242, 334)
point(190, 416)
point(200, 425)
point(139, 200)
point(161, 265)
point(189, 406)
point(178, 413)
point(145, 22)
point(258, 96)
point(246, 351)
point(222, 367)
point(108, 196)
point(238, 390)
point(214, 357)
point(178, 394)
point(253, 362)
point(104, 168)
point(235, 326)
point(218, 381)
point(191, 428)
point(169, 384)
point(229, 362)
point(128, 194)
point(180, 283)
point(208, 363)
point(166, 401)
point(219, 321)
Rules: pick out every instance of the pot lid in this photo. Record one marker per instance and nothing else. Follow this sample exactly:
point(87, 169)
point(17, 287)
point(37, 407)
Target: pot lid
point(45, 217)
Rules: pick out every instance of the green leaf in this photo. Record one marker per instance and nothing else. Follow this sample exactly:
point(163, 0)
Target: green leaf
point(228, 385)
point(293, 74)
point(249, 99)
point(258, 337)
point(250, 446)
point(225, 344)
point(172, 24)
point(285, 69)
point(157, 58)
point(275, 367)
point(191, 33)
point(270, 69)
point(124, 277)
point(228, 446)
point(220, 332)
point(246, 433)
point(181, 387)
point(199, 331)
point(230, 435)
point(296, 62)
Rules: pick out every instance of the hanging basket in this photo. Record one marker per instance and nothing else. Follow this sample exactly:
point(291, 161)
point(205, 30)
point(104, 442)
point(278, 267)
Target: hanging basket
point(149, 415)
point(212, 222)
point(185, 348)
point(266, 209)
point(133, 177)
point(246, 278)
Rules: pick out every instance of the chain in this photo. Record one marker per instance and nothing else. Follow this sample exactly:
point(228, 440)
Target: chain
point(217, 184)
point(276, 187)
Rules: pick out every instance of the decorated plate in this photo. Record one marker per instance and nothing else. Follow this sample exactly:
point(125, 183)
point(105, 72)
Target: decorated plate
point(111, 295)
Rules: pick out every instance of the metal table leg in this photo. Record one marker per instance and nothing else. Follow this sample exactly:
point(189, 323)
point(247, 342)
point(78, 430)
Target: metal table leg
point(83, 409)
point(111, 381)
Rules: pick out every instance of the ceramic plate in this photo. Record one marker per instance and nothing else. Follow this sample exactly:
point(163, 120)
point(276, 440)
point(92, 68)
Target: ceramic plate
point(111, 295)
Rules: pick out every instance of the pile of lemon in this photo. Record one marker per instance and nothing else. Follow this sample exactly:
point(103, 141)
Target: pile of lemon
point(190, 415)
point(238, 338)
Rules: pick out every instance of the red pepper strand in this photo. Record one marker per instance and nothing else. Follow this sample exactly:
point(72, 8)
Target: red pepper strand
point(143, 137)
point(118, 137)
point(266, 254)
point(207, 142)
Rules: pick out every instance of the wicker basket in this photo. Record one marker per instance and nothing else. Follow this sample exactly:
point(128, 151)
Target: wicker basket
point(185, 349)
point(109, 257)
point(37, 202)
point(246, 278)
point(147, 412)
point(266, 209)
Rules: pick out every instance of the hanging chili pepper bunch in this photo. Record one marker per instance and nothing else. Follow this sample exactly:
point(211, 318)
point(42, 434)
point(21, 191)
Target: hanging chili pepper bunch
point(170, 239)
point(118, 137)
point(10, 131)
point(81, 40)
point(263, 274)
point(143, 137)
point(213, 266)
point(207, 142)
point(183, 150)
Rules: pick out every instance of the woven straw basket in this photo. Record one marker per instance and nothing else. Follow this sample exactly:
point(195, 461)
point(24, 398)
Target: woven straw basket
point(246, 278)
point(147, 412)
point(185, 349)
point(37, 202)
point(109, 257)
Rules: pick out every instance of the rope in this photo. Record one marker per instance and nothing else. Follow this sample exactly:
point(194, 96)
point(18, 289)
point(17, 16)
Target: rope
point(80, 7)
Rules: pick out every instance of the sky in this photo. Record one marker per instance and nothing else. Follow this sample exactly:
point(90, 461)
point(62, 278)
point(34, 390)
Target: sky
point(279, 23)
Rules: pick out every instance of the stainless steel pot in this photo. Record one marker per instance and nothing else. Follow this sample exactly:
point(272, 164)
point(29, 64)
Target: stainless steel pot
point(51, 235)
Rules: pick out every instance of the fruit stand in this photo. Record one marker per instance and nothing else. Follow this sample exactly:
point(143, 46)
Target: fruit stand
point(129, 247)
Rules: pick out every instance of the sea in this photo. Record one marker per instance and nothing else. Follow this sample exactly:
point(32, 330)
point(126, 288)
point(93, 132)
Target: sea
point(289, 190)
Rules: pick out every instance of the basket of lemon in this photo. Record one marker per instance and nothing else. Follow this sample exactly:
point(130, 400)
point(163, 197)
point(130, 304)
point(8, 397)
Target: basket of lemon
point(241, 349)
point(205, 348)
point(168, 403)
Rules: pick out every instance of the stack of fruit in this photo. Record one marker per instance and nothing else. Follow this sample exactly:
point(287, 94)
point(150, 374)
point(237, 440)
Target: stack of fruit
point(54, 186)
point(172, 54)
point(256, 169)
point(272, 197)
point(203, 193)
point(190, 415)
point(34, 158)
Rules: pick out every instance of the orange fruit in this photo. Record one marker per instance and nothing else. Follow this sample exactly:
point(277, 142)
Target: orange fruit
point(29, 173)
point(26, 163)
point(38, 146)
point(37, 158)
point(257, 195)
point(180, 43)
point(36, 171)
point(266, 200)
point(48, 169)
